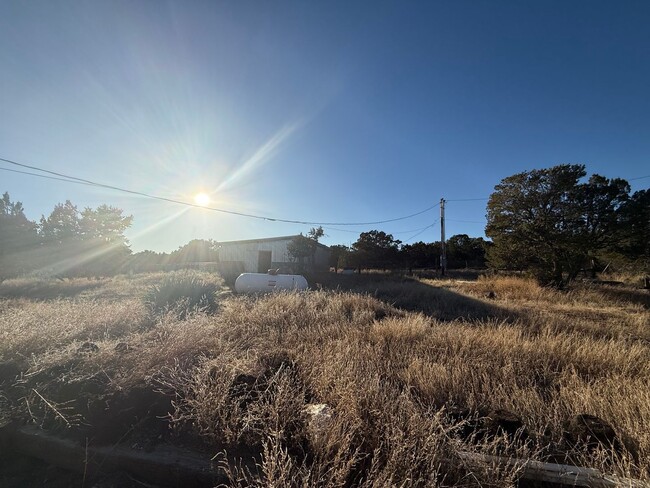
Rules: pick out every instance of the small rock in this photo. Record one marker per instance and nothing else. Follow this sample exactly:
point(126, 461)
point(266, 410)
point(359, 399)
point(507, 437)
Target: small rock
point(319, 417)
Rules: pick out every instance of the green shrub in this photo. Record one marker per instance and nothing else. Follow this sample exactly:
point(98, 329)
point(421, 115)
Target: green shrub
point(181, 294)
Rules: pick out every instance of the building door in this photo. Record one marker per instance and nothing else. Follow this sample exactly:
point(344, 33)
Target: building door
point(263, 261)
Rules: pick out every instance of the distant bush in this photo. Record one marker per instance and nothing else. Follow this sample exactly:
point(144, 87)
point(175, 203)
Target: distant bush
point(181, 294)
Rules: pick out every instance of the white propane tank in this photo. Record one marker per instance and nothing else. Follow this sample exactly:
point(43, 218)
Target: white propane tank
point(261, 282)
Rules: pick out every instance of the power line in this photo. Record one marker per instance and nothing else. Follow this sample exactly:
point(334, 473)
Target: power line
point(44, 176)
point(415, 230)
point(51, 172)
point(424, 229)
point(465, 199)
point(399, 232)
point(467, 221)
point(82, 181)
point(74, 179)
point(341, 230)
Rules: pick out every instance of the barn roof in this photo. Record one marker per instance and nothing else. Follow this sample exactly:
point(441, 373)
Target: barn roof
point(265, 239)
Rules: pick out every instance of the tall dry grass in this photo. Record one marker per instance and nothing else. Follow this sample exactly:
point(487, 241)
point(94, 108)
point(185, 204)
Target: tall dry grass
point(411, 371)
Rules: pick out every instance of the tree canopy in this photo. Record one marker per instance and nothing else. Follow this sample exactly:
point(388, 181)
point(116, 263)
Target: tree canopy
point(18, 237)
point(302, 248)
point(196, 251)
point(550, 222)
point(634, 242)
point(376, 249)
point(66, 242)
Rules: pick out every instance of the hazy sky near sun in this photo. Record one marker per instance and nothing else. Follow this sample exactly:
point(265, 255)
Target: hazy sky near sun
point(320, 111)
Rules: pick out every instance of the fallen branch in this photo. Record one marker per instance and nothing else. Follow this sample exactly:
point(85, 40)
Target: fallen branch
point(52, 407)
point(171, 466)
point(563, 474)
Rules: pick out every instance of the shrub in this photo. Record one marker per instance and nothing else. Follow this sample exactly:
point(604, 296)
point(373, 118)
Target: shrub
point(181, 294)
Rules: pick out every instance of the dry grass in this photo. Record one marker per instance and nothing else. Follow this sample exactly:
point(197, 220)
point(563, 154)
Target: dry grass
point(409, 368)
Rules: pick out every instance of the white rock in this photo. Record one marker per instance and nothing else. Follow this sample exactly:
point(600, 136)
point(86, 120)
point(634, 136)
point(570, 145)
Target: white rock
point(319, 417)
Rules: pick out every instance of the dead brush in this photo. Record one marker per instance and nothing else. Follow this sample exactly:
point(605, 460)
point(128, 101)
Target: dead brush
point(243, 377)
point(510, 288)
point(182, 293)
point(51, 326)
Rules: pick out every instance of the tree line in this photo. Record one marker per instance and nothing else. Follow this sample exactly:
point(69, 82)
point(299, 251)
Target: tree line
point(68, 242)
point(90, 242)
point(376, 249)
point(553, 223)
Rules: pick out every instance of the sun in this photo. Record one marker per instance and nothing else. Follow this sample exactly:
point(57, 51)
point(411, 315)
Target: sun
point(202, 199)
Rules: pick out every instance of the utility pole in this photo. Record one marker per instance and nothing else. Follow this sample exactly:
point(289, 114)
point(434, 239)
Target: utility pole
point(443, 246)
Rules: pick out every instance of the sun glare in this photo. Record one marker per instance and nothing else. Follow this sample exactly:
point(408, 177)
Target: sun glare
point(202, 199)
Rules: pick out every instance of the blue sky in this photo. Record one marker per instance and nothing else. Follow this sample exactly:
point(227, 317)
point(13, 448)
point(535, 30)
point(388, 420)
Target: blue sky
point(319, 111)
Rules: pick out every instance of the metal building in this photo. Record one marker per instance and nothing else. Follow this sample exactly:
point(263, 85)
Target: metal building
point(260, 255)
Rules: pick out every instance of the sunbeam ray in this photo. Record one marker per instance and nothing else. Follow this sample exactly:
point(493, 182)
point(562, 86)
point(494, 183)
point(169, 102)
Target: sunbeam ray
point(262, 155)
point(159, 223)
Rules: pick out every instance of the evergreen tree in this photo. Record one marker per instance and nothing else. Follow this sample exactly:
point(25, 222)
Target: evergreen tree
point(548, 222)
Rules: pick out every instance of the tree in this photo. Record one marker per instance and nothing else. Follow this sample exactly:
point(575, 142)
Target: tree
point(105, 247)
point(18, 238)
point(420, 255)
point(464, 251)
point(634, 242)
point(304, 247)
point(315, 233)
point(376, 249)
point(91, 242)
point(196, 251)
point(548, 222)
point(147, 261)
point(62, 225)
point(66, 243)
point(105, 223)
point(338, 254)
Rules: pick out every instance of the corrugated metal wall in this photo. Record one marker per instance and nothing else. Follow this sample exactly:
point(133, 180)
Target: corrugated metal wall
point(248, 254)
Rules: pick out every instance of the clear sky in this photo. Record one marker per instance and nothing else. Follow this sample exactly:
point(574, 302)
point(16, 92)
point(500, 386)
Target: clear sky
point(320, 111)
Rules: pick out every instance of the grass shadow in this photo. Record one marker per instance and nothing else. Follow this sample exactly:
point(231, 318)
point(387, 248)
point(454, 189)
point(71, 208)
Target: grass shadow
point(413, 295)
point(625, 294)
point(46, 290)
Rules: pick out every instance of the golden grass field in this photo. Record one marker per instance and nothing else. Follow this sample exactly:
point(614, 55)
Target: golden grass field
point(413, 372)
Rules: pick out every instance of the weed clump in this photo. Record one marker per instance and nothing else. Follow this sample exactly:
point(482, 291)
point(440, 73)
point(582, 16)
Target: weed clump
point(181, 294)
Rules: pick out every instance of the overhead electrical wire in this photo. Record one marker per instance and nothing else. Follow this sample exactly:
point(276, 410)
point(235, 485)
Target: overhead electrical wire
point(399, 232)
point(421, 231)
point(416, 230)
point(74, 179)
point(465, 199)
point(44, 176)
point(466, 221)
point(82, 181)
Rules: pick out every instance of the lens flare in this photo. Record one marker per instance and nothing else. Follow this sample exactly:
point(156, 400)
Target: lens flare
point(202, 199)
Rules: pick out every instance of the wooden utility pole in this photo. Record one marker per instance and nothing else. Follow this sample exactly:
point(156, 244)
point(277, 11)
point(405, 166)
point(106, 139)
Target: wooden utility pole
point(443, 246)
